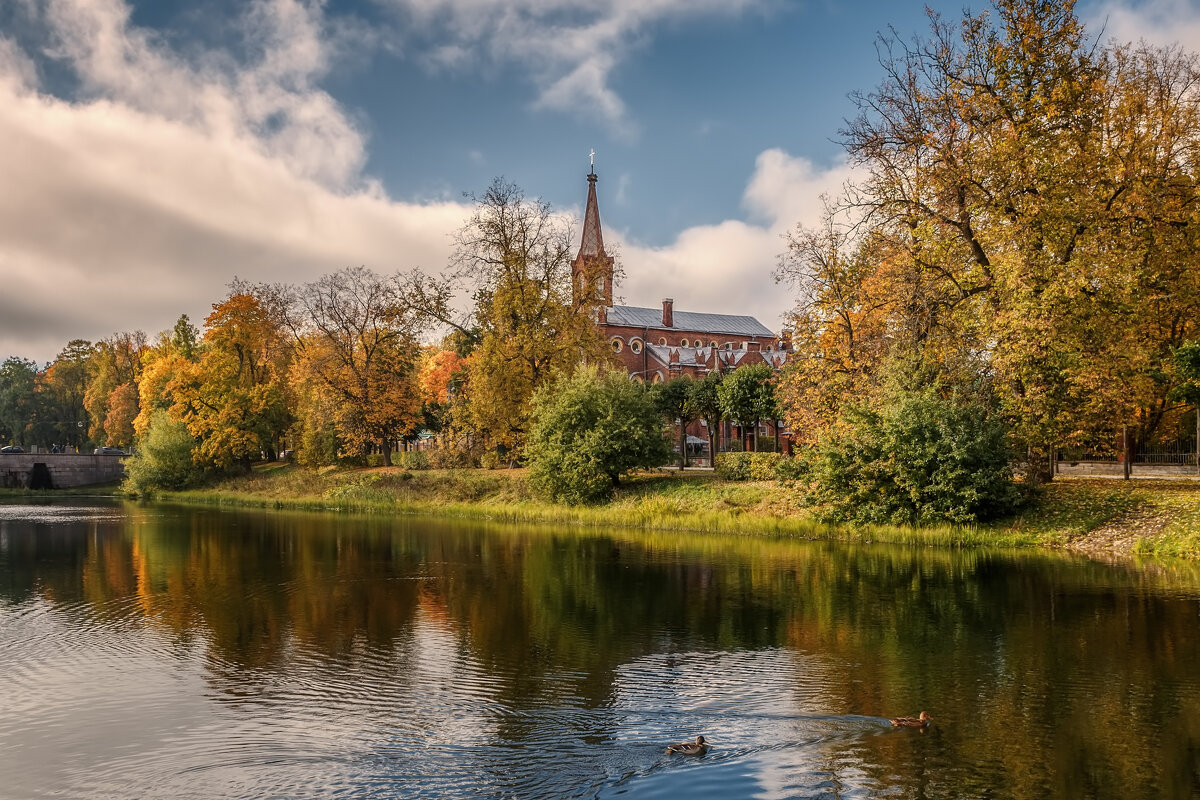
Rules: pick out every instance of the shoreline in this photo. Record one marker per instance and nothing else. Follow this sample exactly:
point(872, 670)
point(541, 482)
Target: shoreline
point(1093, 516)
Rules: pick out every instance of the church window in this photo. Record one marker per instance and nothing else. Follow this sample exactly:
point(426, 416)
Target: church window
point(616, 344)
point(658, 377)
point(635, 346)
point(713, 344)
point(683, 343)
point(729, 345)
point(662, 340)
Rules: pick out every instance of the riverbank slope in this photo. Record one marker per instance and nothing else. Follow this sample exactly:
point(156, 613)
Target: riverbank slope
point(1095, 516)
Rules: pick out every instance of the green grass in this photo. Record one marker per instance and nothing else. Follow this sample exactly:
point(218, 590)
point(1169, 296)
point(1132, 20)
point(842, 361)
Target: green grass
point(1160, 518)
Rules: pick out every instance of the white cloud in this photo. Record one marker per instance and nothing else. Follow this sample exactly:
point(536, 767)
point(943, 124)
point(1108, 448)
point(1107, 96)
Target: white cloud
point(1159, 22)
point(569, 49)
point(142, 200)
point(727, 268)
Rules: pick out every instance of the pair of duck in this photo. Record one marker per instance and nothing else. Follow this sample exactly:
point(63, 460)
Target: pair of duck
point(700, 746)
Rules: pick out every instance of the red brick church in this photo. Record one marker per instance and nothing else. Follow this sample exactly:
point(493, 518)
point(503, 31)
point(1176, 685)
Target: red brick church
point(656, 344)
point(660, 343)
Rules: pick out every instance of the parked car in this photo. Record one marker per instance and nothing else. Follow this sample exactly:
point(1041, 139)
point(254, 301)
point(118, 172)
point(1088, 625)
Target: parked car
point(109, 451)
point(12, 448)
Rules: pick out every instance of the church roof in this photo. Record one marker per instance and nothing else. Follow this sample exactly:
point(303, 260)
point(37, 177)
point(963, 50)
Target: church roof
point(637, 317)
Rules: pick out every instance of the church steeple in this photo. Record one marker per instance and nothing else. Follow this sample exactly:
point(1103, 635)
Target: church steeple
point(592, 272)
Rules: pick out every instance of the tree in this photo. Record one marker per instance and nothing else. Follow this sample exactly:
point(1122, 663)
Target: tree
point(115, 362)
point(747, 395)
point(1027, 220)
point(706, 400)
point(65, 381)
point(588, 430)
point(357, 342)
point(674, 400)
point(840, 331)
point(18, 401)
point(234, 398)
point(514, 255)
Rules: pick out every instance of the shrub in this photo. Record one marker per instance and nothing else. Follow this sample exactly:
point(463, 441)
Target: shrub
point(732, 466)
point(736, 466)
point(411, 459)
point(489, 459)
point(590, 429)
point(163, 459)
point(922, 459)
point(449, 458)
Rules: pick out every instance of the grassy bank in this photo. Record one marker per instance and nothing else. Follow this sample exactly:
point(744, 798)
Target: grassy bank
point(1099, 516)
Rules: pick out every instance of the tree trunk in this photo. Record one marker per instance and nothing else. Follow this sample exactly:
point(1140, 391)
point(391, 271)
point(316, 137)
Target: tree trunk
point(386, 447)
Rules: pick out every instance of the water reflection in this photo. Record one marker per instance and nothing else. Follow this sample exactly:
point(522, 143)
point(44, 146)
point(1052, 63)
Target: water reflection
point(158, 651)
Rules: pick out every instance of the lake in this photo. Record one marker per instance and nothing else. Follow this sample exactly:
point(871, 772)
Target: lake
point(162, 651)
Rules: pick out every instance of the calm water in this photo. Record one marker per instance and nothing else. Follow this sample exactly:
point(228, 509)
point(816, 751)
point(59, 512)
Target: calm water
point(162, 652)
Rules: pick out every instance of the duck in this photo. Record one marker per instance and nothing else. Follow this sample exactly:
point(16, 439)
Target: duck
point(913, 722)
point(696, 748)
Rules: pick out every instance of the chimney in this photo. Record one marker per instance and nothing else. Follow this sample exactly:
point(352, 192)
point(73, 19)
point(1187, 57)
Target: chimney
point(668, 312)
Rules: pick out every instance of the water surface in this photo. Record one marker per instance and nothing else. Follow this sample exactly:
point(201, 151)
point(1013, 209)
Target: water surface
point(155, 651)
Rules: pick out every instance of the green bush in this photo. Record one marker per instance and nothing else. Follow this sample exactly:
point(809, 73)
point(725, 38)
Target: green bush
point(922, 459)
point(411, 459)
point(590, 429)
point(163, 459)
point(732, 466)
point(489, 459)
point(765, 466)
point(737, 466)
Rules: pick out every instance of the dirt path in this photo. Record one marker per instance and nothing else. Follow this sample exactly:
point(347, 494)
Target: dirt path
point(1118, 536)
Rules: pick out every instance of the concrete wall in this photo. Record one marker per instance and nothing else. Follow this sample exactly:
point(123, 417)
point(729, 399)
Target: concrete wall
point(63, 470)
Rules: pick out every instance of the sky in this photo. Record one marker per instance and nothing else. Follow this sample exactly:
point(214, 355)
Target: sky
point(153, 150)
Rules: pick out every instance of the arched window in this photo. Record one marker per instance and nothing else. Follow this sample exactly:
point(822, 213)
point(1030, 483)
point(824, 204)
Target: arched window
point(713, 344)
point(662, 340)
point(684, 343)
point(658, 377)
point(616, 344)
point(635, 346)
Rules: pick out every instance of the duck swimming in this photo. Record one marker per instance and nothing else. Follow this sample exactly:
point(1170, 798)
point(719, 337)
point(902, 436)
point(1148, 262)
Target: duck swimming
point(913, 722)
point(696, 748)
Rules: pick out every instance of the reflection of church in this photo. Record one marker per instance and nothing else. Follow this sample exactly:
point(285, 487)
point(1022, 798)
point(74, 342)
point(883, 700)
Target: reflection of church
point(657, 344)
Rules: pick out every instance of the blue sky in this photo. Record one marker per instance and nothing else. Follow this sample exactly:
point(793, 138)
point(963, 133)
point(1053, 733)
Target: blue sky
point(153, 149)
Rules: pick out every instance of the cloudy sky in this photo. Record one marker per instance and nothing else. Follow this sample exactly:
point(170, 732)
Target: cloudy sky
point(152, 150)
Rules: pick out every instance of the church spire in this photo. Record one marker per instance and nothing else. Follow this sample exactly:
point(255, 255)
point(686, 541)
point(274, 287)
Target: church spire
point(592, 244)
point(592, 272)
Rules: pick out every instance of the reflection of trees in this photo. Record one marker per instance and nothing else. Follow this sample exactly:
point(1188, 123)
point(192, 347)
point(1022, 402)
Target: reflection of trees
point(1045, 674)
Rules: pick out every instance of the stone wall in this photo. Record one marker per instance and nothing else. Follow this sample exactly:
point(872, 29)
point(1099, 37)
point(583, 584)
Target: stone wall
point(60, 470)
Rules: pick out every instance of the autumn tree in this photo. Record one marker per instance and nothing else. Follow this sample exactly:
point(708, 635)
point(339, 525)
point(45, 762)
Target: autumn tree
point(1027, 218)
point(234, 397)
point(358, 349)
point(514, 256)
point(65, 382)
point(115, 362)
